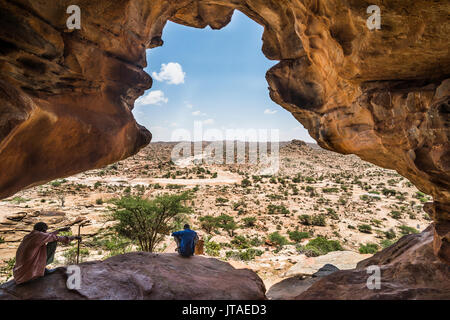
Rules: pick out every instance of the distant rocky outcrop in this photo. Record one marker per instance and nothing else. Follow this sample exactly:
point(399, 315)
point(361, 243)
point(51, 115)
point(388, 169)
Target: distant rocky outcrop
point(409, 270)
point(299, 143)
point(147, 276)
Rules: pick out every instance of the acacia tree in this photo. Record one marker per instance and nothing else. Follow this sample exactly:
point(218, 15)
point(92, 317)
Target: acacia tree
point(148, 221)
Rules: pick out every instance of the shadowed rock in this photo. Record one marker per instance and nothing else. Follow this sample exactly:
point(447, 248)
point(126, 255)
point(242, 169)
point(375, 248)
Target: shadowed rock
point(145, 276)
point(290, 288)
point(409, 270)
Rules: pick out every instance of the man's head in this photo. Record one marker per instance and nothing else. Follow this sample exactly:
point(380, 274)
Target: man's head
point(41, 226)
point(186, 226)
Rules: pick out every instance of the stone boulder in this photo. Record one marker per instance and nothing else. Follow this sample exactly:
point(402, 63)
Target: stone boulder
point(343, 260)
point(409, 270)
point(289, 288)
point(145, 276)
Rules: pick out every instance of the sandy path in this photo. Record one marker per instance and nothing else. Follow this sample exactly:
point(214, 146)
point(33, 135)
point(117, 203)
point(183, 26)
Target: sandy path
point(222, 178)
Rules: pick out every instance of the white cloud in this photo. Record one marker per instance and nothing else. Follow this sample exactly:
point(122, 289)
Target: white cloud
point(153, 97)
point(172, 73)
point(198, 113)
point(208, 121)
point(189, 105)
point(268, 111)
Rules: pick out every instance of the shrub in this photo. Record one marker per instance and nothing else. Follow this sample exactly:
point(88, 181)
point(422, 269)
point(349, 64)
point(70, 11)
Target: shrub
point(388, 192)
point(320, 246)
point(57, 183)
point(240, 242)
point(249, 222)
point(212, 248)
point(298, 236)
point(246, 182)
point(407, 230)
point(386, 243)
point(7, 269)
point(19, 200)
point(113, 244)
point(237, 205)
point(368, 248)
point(396, 214)
point(174, 186)
point(249, 254)
point(277, 209)
point(332, 213)
point(71, 255)
point(365, 228)
point(99, 201)
point(390, 234)
point(244, 255)
point(317, 220)
point(305, 219)
point(221, 201)
point(148, 221)
point(277, 239)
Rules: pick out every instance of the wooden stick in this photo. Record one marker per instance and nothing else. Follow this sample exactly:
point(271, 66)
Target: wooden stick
point(78, 248)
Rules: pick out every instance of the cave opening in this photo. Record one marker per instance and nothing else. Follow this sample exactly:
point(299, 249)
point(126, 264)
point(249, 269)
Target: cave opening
point(340, 85)
point(315, 203)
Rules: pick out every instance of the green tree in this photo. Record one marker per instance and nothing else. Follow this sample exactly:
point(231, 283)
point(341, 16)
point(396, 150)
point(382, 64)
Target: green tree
point(209, 223)
point(227, 223)
point(148, 221)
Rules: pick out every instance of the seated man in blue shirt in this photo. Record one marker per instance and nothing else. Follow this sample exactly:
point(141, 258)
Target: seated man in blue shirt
point(186, 241)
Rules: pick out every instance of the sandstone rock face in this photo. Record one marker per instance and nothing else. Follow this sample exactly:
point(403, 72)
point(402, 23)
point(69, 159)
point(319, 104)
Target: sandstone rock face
point(145, 276)
point(66, 95)
point(409, 270)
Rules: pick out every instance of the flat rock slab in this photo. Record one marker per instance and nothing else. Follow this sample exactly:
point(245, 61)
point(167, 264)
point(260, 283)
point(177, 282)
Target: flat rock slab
point(343, 260)
point(146, 276)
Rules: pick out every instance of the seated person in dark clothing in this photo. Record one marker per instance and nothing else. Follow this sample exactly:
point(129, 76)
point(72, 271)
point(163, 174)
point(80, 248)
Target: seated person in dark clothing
point(186, 241)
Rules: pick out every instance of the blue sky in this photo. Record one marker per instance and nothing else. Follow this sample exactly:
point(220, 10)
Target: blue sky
point(216, 77)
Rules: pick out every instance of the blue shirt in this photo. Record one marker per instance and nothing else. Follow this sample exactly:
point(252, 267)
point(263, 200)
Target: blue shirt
point(187, 245)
